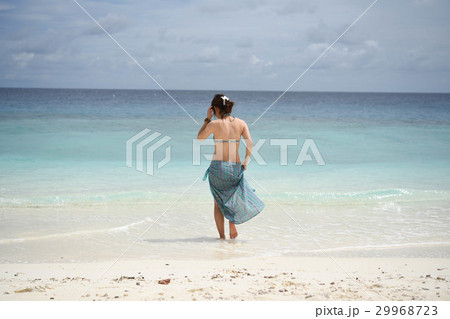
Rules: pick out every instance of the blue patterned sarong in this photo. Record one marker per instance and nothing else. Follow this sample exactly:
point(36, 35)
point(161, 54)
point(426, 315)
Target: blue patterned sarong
point(236, 200)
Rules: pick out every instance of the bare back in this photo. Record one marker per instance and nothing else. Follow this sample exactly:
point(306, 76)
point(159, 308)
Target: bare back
point(227, 134)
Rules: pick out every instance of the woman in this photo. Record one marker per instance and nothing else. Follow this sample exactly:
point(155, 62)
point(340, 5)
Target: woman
point(233, 197)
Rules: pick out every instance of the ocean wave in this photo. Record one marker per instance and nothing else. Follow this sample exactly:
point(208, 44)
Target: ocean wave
point(379, 195)
point(125, 198)
point(152, 197)
point(123, 228)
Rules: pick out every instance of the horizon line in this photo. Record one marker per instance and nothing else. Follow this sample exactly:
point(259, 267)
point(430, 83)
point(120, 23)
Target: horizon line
point(215, 90)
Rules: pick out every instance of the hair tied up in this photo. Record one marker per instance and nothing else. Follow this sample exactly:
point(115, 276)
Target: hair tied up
point(223, 103)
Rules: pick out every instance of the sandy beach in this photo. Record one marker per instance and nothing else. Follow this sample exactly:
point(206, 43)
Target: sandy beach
point(262, 278)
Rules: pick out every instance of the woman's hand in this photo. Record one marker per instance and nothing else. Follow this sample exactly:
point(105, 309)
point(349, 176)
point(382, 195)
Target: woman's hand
point(244, 166)
point(209, 115)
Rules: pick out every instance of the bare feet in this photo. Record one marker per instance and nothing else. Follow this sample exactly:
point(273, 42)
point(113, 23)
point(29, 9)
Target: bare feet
point(233, 231)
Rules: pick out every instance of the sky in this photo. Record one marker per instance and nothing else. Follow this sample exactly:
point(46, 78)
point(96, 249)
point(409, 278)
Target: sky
point(397, 46)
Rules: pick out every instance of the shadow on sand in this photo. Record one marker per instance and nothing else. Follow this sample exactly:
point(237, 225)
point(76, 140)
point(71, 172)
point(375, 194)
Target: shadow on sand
point(202, 239)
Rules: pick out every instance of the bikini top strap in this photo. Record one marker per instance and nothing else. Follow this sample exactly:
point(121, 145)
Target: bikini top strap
point(226, 141)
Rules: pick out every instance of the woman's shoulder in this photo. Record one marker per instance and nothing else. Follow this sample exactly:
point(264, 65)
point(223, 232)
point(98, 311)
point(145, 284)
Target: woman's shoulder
point(240, 121)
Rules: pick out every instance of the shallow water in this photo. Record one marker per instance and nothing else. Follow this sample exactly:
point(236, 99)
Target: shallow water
point(65, 190)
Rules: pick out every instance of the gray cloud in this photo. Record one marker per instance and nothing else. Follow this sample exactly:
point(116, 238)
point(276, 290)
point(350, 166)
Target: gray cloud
point(294, 7)
point(218, 7)
point(112, 23)
point(165, 35)
point(206, 55)
point(245, 43)
point(251, 44)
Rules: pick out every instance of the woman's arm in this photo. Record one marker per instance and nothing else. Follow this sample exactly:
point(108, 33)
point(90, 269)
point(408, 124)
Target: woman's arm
point(249, 145)
point(206, 129)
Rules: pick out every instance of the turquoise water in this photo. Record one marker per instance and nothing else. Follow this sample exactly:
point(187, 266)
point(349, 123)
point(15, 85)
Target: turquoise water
point(65, 190)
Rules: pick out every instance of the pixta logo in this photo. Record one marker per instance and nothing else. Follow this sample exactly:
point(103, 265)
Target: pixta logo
point(144, 145)
point(308, 148)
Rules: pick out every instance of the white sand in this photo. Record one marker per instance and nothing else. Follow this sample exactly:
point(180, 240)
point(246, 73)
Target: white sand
point(268, 278)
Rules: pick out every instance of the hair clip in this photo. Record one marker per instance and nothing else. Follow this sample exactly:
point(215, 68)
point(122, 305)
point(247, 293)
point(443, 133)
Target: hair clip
point(224, 98)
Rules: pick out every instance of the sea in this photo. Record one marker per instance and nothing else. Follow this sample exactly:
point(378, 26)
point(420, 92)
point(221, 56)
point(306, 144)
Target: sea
point(95, 175)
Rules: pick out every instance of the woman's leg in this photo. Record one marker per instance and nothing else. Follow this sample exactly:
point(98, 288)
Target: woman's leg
point(233, 231)
point(218, 216)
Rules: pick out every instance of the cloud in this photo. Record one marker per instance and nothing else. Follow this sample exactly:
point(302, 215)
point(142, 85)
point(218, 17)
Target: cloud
point(112, 23)
point(294, 7)
point(253, 44)
point(23, 58)
point(355, 56)
point(245, 43)
point(424, 2)
point(280, 7)
point(47, 41)
point(372, 44)
point(257, 62)
point(165, 35)
point(218, 7)
point(5, 6)
point(319, 33)
point(207, 55)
